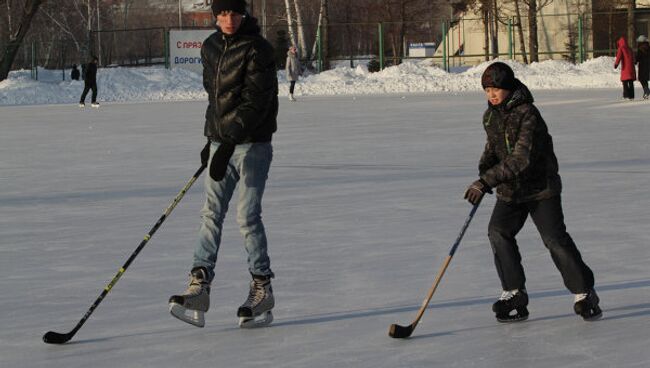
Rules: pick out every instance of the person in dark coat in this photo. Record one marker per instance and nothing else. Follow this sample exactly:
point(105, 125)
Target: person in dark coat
point(519, 161)
point(75, 74)
point(90, 82)
point(643, 61)
point(625, 57)
point(239, 75)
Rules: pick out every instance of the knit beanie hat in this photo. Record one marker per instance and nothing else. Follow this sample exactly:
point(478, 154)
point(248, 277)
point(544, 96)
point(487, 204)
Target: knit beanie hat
point(498, 75)
point(237, 6)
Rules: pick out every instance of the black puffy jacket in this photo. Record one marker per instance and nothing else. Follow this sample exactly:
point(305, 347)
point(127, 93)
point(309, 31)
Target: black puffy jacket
point(239, 74)
point(518, 158)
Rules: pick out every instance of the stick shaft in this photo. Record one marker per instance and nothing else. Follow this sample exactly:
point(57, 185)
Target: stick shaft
point(135, 253)
point(443, 268)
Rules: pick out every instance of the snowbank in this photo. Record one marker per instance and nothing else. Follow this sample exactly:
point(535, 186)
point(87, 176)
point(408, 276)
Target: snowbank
point(157, 83)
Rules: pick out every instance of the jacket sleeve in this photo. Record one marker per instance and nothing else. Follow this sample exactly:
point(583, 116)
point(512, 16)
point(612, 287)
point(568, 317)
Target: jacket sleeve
point(619, 55)
point(259, 90)
point(519, 159)
point(488, 159)
point(208, 82)
point(287, 66)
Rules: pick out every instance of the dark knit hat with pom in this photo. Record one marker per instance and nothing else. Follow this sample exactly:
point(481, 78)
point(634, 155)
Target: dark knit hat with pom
point(498, 75)
point(237, 6)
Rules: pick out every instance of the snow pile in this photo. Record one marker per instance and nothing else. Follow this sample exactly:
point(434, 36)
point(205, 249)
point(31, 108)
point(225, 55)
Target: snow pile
point(157, 83)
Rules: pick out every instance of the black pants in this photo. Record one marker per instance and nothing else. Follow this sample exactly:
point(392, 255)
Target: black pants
point(646, 90)
point(508, 218)
point(628, 89)
point(88, 87)
point(292, 86)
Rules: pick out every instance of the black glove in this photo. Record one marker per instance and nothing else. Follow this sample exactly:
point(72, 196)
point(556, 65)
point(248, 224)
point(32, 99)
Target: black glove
point(476, 190)
point(205, 154)
point(233, 133)
point(220, 160)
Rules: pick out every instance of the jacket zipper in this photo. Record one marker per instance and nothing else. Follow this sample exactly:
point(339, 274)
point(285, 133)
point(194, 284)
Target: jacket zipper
point(216, 82)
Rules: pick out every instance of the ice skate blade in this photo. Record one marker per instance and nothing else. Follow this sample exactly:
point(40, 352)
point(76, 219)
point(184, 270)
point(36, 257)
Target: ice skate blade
point(512, 319)
point(193, 317)
point(262, 320)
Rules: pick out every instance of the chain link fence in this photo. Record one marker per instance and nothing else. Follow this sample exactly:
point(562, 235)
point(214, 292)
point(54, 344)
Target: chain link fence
point(463, 42)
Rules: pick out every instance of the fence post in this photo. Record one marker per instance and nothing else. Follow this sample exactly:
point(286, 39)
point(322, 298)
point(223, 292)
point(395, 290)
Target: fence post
point(444, 46)
point(34, 63)
point(166, 45)
point(319, 49)
point(581, 41)
point(62, 60)
point(510, 43)
point(381, 46)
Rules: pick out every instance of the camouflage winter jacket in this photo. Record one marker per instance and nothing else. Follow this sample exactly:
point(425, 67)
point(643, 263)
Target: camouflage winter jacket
point(518, 158)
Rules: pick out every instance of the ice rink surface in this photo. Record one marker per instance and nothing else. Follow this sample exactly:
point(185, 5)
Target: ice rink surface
point(363, 203)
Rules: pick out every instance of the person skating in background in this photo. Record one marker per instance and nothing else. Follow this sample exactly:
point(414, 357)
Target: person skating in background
point(75, 74)
point(625, 57)
point(519, 161)
point(293, 70)
point(643, 61)
point(240, 77)
point(90, 82)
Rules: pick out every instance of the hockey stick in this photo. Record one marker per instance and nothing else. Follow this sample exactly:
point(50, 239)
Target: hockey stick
point(400, 332)
point(52, 337)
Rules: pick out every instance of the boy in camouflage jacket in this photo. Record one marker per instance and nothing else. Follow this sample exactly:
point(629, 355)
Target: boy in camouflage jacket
point(519, 162)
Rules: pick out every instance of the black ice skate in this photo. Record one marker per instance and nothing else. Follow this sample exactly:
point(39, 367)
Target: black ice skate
point(256, 310)
point(511, 306)
point(586, 305)
point(195, 301)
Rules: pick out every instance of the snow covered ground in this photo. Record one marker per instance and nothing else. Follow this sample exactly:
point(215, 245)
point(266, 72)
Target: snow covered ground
point(363, 204)
point(159, 84)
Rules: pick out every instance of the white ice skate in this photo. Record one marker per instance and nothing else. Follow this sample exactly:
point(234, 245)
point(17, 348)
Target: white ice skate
point(256, 310)
point(95, 105)
point(191, 306)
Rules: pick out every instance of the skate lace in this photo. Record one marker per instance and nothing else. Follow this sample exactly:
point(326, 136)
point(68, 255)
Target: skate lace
point(257, 293)
point(580, 297)
point(196, 285)
point(508, 294)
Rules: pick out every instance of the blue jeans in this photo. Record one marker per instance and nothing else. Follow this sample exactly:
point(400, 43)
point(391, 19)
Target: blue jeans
point(248, 166)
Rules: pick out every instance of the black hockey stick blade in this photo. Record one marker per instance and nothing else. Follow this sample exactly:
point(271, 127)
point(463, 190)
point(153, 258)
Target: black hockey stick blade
point(400, 332)
point(52, 337)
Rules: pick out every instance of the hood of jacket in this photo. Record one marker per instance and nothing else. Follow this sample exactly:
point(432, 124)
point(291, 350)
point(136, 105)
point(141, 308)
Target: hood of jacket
point(621, 42)
point(520, 95)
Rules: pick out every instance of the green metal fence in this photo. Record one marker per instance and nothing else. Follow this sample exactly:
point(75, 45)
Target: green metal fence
point(460, 42)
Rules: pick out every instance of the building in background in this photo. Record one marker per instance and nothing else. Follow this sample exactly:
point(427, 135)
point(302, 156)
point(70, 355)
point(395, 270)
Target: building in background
point(558, 31)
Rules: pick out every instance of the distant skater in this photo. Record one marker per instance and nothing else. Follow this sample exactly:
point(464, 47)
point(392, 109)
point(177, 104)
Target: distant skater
point(643, 61)
point(74, 74)
point(625, 58)
point(293, 70)
point(90, 82)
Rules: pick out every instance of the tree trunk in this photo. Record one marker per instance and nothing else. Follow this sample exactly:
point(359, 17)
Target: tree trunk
point(302, 44)
point(533, 44)
point(15, 40)
point(631, 7)
point(520, 31)
point(9, 17)
point(324, 34)
point(292, 33)
point(486, 31)
point(494, 28)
